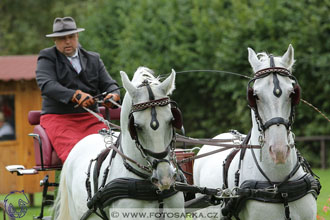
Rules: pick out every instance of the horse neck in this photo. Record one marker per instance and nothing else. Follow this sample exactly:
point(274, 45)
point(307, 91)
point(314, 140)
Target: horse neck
point(274, 172)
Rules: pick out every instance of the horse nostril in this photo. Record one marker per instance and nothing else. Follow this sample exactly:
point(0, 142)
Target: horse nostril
point(270, 149)
point(288, 148)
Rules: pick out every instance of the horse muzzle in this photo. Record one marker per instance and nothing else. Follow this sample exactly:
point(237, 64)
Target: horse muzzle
point(279, 154)
point(163, 175)
point(277, 140)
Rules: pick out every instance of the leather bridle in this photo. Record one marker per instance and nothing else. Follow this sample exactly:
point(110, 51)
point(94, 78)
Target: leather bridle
point(154, 124)
point(263, 126)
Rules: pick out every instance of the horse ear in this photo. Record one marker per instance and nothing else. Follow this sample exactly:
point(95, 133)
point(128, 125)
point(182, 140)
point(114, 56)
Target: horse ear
point(253, 59)
point(130, 88)
point(168, 85)
point(288, 57)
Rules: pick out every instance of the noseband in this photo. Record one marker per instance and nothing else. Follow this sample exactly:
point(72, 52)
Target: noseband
point(277, 92)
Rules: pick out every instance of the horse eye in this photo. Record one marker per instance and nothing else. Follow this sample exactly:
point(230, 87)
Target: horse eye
point(292, 93)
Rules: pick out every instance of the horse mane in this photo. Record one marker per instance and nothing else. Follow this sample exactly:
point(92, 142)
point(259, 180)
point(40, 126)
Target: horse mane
point(262, 56)
point(144, 73)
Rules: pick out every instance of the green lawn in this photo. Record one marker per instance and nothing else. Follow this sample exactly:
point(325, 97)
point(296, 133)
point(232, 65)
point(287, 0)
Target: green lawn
point(323, 199)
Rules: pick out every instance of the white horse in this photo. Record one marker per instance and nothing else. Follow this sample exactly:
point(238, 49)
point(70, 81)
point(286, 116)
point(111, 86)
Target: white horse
point(272, 98)
point(146, 143)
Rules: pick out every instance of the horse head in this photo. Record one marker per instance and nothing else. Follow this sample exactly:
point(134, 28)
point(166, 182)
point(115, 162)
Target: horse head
point(148, 120)
point(272, 97)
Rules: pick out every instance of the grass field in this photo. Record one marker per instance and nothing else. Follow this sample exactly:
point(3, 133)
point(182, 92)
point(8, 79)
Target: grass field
point(323, 199)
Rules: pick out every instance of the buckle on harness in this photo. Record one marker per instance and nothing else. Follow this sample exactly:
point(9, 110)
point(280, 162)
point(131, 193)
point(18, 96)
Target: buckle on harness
point(284, 195)
point(227, 193)
point(274, 189)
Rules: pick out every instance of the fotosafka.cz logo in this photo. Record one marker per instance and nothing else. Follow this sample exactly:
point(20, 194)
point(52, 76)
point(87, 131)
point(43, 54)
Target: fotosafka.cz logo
point(16, 204)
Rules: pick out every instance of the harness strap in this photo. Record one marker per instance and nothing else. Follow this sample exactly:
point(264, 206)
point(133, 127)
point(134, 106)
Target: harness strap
point(286, 206)
point(121, 188)
point(88, 183)
point(135, 171)
point(161, 208)
point(225, 147)
point(183, 187)
point(226, 165)
point(154, 124)
point(274, 192)
point(276, 121)
point(159, 155)
point(237, 174)
point(291, 174)
point(99, 160)
point(228, 211)
point(130, 159)
point(265, 192)
point(259, 168)
point(128, 188)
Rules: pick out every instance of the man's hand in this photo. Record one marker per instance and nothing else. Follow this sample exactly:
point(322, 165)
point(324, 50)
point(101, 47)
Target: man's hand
point(82, 98)
point(114, 96)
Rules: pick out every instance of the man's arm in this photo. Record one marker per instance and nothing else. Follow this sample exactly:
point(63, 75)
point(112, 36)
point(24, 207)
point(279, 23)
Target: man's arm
point(47, 81)
point(107, 84)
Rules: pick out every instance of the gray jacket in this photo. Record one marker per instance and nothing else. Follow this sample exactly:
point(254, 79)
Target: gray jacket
point(58, 80)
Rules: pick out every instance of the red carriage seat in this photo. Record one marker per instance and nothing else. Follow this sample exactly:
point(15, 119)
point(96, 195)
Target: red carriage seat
point(186, 167)
point(45, 155)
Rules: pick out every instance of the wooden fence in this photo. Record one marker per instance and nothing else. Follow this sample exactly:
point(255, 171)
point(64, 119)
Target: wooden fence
point(323, 150)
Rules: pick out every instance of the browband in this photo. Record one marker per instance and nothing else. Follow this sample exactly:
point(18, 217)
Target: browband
point(279, 70)
point(144, 105)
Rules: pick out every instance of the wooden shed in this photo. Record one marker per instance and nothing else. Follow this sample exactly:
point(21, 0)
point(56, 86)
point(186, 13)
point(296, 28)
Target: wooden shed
point(19, 94)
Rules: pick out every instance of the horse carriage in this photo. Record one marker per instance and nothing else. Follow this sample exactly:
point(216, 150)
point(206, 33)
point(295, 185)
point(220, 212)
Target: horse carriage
point(140, 170)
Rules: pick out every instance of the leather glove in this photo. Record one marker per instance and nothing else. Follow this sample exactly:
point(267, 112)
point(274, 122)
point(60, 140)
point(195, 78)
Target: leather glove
point(82, 98)
point(114, 96)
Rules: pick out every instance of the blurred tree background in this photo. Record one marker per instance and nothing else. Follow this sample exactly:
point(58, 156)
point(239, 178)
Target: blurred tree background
point(193, 35)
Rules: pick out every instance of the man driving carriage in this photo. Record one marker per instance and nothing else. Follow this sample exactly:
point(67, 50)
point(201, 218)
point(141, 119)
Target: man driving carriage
point(69, 76)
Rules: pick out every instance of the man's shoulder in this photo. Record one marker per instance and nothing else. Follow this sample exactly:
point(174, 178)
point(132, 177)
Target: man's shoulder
point(89, 53)
point(49, 52)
